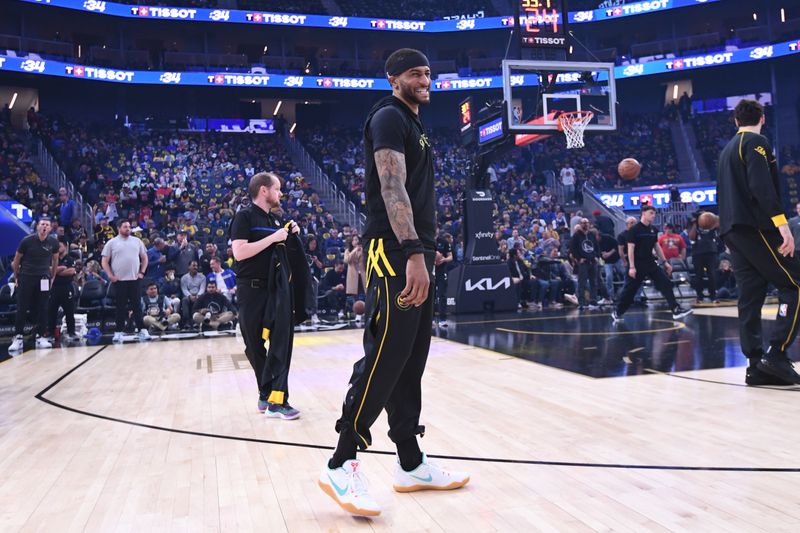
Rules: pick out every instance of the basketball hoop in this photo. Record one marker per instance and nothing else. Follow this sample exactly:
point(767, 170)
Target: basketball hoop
point(573, 124)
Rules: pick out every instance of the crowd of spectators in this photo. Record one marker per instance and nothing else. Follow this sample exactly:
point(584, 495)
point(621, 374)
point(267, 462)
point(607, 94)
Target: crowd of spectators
point(18, 179)
point(180, 190)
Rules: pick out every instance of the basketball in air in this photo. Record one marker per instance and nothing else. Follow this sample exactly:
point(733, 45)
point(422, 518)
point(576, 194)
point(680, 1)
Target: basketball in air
point(629, 169)
point(358, 307)
point(708, 220)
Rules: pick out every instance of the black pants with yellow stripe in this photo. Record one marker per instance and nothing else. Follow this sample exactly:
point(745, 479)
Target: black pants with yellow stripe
point(757, 263)
point(396, 342)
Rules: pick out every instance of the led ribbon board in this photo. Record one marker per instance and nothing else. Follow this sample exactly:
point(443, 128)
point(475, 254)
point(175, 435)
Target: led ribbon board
point(231, 79)
point(221, 16)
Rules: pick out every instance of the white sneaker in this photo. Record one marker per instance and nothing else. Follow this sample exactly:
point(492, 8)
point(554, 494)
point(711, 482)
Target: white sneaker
point(144, 335)
point(341, 315)
point(571, 298)
point(117, 339)
point(314, 319)
point(443, 323)
point(427, 476)
point(43, 343)
point(17, 345)
point(347, 486)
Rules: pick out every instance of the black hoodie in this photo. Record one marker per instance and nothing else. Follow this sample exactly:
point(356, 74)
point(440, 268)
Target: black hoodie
point(391, 124)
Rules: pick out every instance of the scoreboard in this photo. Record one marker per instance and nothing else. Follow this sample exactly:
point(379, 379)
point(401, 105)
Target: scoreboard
point(542, 23)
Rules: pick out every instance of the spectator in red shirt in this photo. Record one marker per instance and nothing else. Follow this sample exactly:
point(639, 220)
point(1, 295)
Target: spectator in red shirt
point(672, 244)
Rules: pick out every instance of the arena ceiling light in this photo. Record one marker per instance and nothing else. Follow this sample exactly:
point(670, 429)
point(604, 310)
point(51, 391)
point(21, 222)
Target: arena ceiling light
point(291, 130)
point(13, 101)
point(277, 107)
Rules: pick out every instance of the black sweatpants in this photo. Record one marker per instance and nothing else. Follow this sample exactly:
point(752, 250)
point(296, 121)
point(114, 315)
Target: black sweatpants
point(441, 294)
point(30, 297)
point(252, 303)
point(632, 285)
point(128, 297)
point(705, 265)
point(61, 297)
point(587, 275)
point(396, 343)
point(757, 263)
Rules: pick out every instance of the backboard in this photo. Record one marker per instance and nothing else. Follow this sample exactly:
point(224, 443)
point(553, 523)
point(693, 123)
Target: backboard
point(536, 92)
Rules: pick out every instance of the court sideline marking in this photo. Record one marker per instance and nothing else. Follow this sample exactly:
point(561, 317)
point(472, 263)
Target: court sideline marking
point(40, 397)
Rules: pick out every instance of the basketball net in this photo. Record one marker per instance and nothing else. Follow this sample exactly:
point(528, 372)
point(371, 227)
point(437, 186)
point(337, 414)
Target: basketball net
point(573, 124)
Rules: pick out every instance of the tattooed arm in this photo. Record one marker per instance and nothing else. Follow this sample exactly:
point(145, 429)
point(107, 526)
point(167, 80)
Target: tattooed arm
point(391, 166)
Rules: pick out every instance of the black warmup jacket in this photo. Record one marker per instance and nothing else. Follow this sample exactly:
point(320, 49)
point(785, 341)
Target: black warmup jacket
point(748, 191)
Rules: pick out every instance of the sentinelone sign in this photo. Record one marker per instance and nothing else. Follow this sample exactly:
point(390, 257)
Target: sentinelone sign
point(228, 79)
point(466, 23)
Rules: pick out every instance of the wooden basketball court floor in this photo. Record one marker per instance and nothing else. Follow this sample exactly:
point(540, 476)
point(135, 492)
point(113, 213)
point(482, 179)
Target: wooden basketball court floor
point(165, 436)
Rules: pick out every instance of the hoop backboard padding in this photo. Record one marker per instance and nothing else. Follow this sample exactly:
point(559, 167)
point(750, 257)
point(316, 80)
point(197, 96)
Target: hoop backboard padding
point(573, 125)
point(535, 89)
point(528, 138)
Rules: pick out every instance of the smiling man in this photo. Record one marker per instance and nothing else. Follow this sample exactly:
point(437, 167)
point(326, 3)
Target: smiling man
point(400, 241)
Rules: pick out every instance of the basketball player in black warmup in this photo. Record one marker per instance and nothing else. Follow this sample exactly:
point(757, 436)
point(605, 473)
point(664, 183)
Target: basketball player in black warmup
point(642, 239)
point(400, 241)
point(754, 227)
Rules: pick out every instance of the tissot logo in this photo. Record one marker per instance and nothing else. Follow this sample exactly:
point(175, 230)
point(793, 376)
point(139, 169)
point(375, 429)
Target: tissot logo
point(383, 24)
point(471, 83)
point(639, 7)
point(345, 83)
point(238, 79)
point(276, 18)
point(487, 284)
point(164, 12)
point(794, 47)
point(95, 73)
point(76, 70)
point(700, 61)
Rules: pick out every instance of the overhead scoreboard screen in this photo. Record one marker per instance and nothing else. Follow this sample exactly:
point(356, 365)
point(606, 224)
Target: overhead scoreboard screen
point(542, 23)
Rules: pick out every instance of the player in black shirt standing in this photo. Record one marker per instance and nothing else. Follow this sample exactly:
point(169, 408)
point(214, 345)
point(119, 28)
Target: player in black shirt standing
point(705, 259)
point(642, 239)
point(62, 295)
point(401, 233)
point(444, 255)
point(255, 231)
point(754, 227)
point(34, 268)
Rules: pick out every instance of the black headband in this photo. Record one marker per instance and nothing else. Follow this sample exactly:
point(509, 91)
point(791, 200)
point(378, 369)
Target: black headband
point(401, 62)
